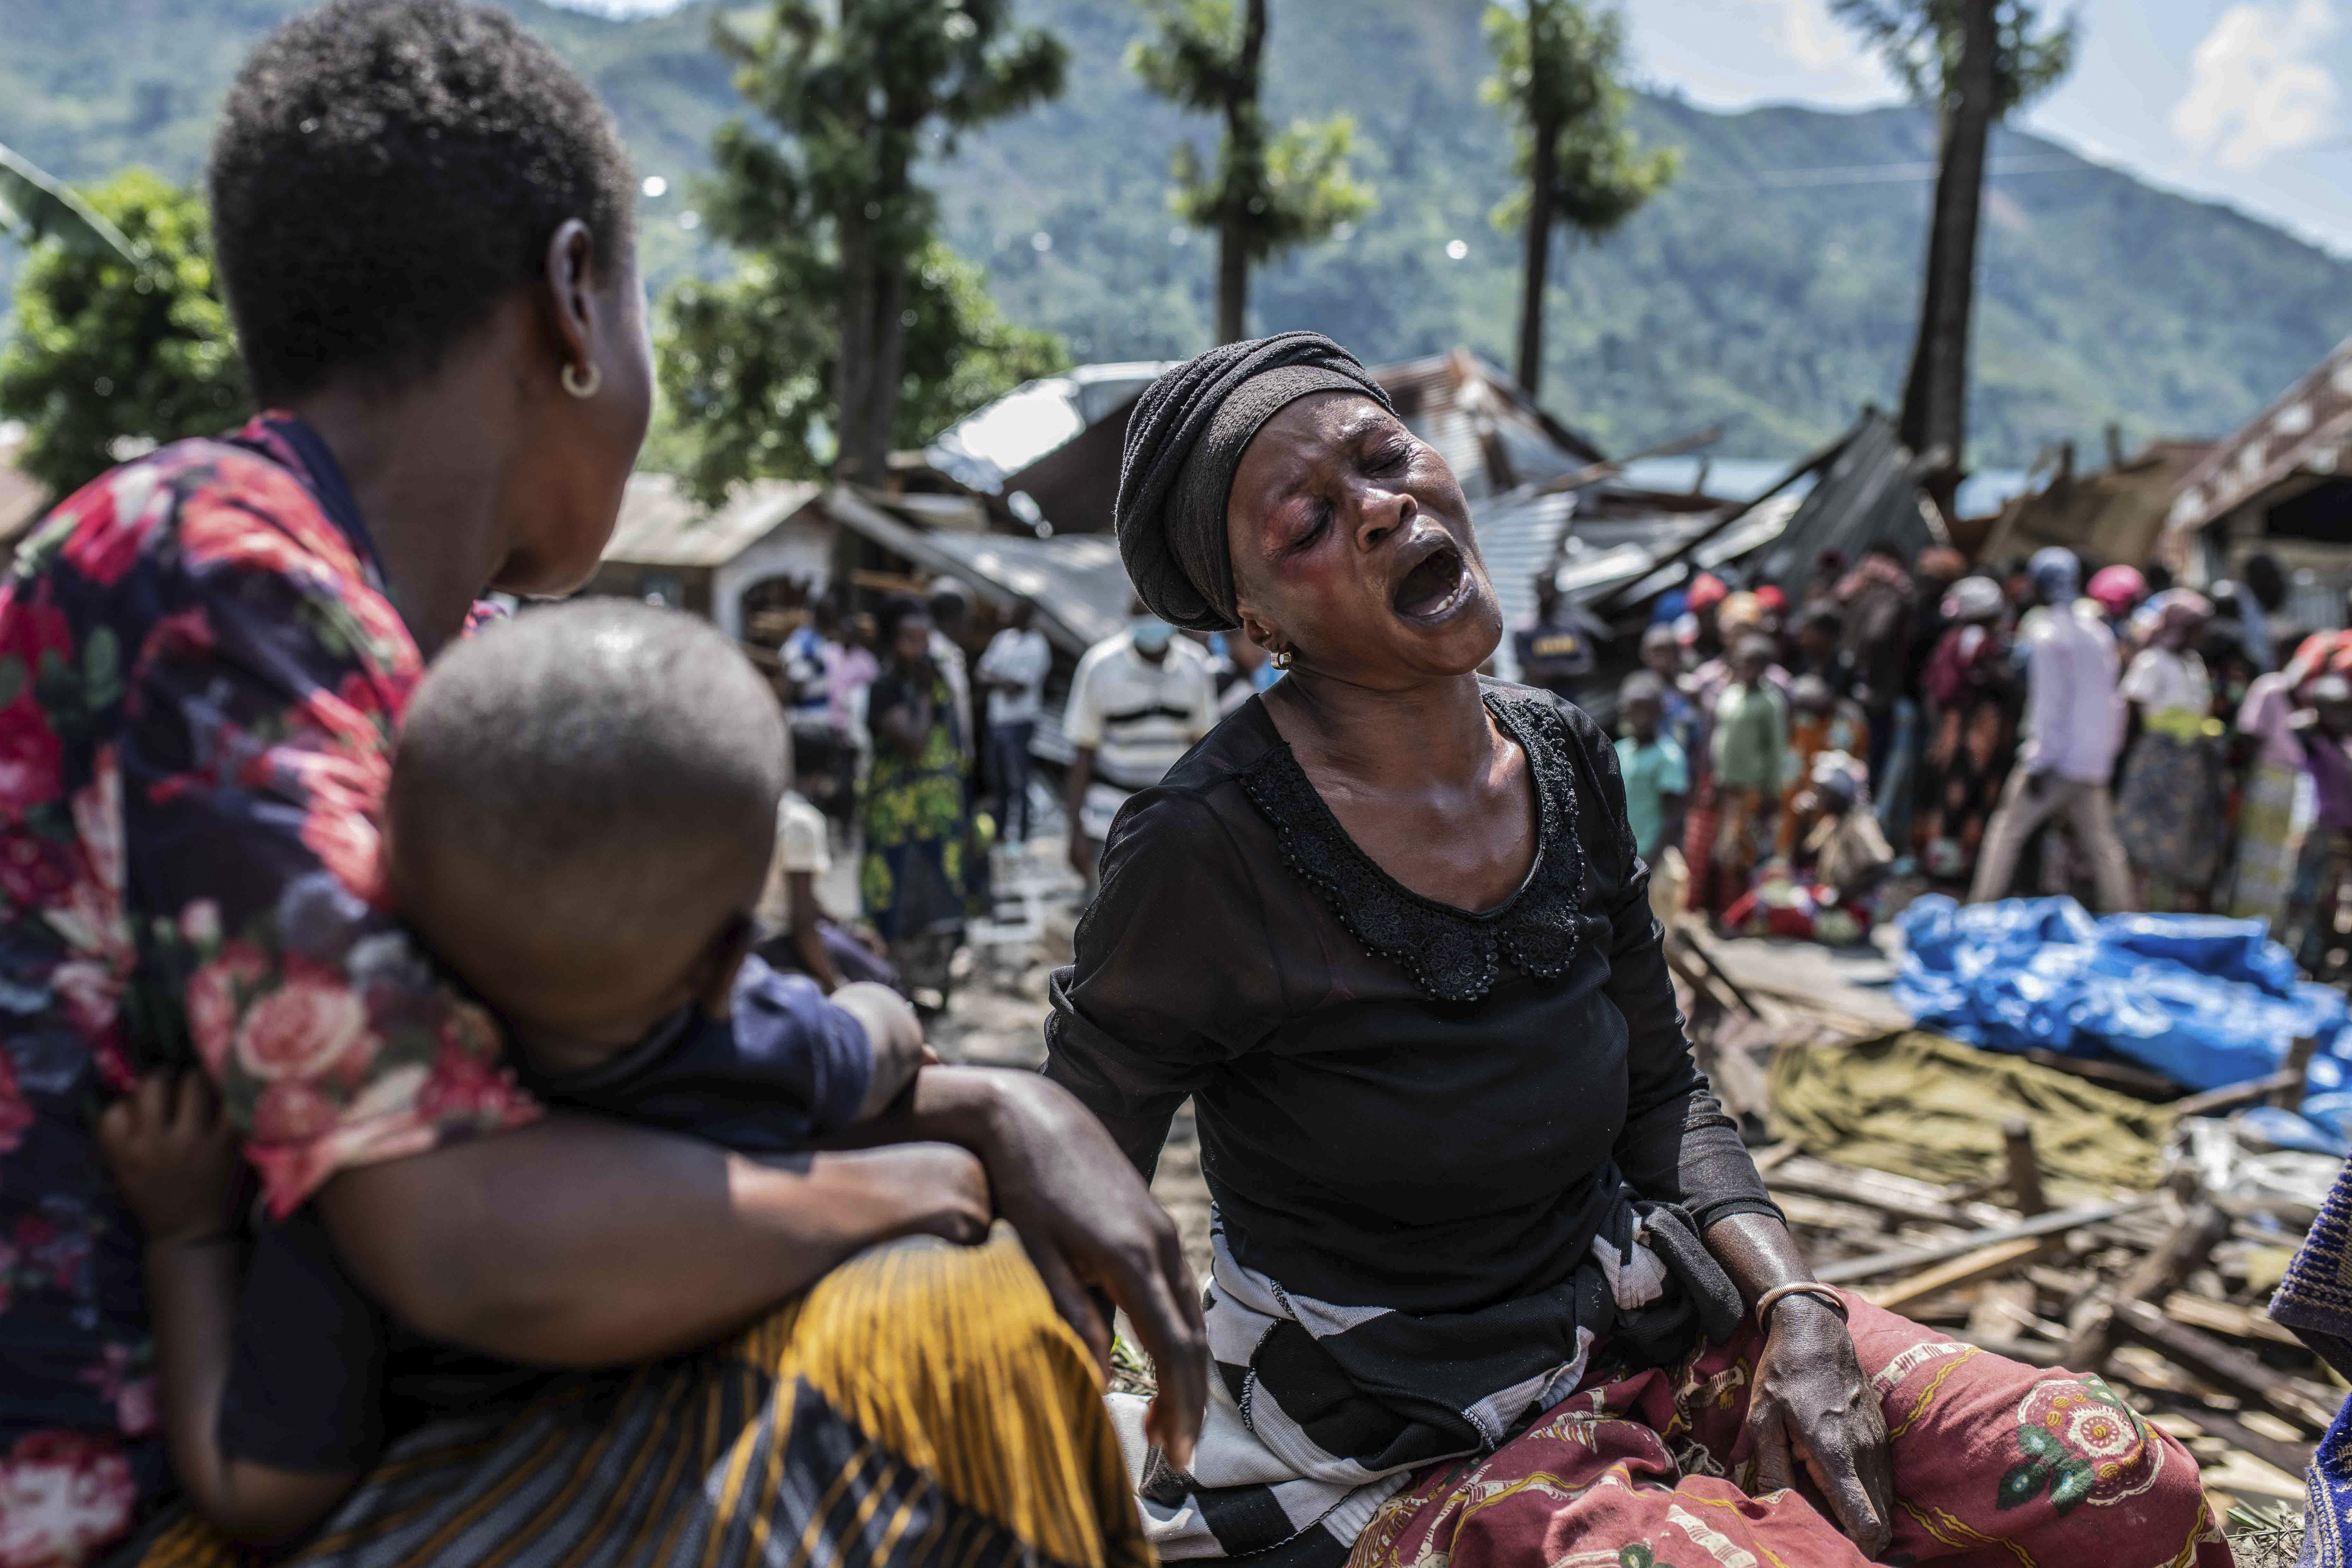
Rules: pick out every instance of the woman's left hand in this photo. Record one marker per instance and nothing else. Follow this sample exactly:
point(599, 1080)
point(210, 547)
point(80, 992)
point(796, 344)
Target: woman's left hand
point(1811, 1405)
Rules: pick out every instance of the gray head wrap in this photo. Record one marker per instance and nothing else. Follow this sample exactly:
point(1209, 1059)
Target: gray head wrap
point(1184, 441)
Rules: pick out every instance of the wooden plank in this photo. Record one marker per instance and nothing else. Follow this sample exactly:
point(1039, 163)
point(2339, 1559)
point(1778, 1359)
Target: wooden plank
point(2230, 1096)
point(2289, 1094)
point(2225, 1318)
point(1968, 1269)
point(1697, 947)
point(2091, 1331)
point(1909, 1258)
point(1906, 1195)
point(2005, 1307)
point(2068, 1285)
point(1845, 1190)
point(1847, 1221)
point(2246, 1475)
point(2227, 1367)
point(2137, 1082)
point(2024, 1167)
point(2290, 1457)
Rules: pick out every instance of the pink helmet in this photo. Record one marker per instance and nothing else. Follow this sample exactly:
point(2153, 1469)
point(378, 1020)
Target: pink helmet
point(2118, 588)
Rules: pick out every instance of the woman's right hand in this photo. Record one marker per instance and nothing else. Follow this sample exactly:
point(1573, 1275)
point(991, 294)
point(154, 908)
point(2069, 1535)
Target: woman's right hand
point(1089, 1223)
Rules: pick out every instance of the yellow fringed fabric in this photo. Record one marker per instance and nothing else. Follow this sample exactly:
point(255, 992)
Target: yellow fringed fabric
point(921, 1405)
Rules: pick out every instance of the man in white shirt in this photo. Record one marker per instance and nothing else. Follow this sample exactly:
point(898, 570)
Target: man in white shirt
point(2074, 724)
point(1140, 701)
point(1013, 672)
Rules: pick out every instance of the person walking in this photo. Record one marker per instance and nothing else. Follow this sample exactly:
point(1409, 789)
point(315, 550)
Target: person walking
point(2073, 721)
point(1141, 700)
point(1013, 672)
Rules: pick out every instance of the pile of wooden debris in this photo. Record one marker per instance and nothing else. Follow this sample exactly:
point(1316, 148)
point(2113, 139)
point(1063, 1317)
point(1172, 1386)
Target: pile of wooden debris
point(2160, 1290)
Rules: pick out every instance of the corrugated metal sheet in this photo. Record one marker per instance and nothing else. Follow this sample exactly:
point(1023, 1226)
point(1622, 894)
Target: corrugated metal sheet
point(1518, 536)
point(1492, 435)
point(661, 527)
point(1076, 581)
point(1034, 418)
point(1864, 496)
point(1862, 493)
point(2308, 429)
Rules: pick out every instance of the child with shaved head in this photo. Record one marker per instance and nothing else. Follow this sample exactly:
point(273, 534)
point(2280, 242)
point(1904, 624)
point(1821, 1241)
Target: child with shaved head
point(581, 815)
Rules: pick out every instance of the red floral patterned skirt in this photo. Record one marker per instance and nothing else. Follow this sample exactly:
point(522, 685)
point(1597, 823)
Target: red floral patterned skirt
point(1995, 1463)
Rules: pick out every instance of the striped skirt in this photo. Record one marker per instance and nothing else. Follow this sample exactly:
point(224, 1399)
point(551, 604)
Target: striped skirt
point(921, 1405)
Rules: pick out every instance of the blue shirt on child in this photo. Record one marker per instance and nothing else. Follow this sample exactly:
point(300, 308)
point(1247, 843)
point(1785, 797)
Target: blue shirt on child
point(321, 1378)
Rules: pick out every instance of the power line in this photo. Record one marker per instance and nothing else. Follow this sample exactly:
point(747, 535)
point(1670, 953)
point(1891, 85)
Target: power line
point(1889, 174)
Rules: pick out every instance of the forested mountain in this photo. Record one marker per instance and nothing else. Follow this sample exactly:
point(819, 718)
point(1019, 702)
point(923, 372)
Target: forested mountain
point(1771, 291)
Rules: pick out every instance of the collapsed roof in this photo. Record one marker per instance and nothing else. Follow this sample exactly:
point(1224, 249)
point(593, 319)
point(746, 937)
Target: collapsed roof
point(1054, 440)
point(2115, 514)
point(2301, 440)
point(1543, 498)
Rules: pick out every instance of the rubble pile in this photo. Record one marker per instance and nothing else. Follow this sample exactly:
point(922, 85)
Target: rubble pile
point(2056, 1218)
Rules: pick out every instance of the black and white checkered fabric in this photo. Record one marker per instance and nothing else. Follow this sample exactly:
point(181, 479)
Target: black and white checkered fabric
point(1318, 1412)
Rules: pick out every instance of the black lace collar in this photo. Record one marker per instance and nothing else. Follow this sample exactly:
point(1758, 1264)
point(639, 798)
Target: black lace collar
point(1451, 954)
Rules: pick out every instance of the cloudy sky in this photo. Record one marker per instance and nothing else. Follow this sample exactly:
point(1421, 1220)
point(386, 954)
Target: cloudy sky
point(2241, 101)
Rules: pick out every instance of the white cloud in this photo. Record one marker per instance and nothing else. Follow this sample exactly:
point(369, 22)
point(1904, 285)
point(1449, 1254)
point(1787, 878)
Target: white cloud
point(1810, 36)
point(1730, 54)
point(2254, 87)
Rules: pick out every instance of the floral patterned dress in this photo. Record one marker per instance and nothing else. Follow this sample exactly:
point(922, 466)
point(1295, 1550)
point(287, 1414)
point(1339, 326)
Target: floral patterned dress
point(199, 678)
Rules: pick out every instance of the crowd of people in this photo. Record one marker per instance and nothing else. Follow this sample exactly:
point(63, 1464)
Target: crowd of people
point(918, 739)
point(1790, 750)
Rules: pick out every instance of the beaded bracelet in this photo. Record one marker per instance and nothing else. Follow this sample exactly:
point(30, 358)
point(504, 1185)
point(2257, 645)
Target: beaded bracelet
point(1814, 1288)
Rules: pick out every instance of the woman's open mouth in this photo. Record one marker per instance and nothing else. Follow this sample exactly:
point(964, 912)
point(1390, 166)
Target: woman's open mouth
point(1434, 585)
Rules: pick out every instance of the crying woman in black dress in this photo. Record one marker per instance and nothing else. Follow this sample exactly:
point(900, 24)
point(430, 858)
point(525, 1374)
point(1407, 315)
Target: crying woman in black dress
point(1386, 926)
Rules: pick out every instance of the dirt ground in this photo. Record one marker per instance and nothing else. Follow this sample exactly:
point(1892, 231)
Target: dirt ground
point(996, 1017)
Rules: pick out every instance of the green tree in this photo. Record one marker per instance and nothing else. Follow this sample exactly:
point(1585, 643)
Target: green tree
point(828, 209)
point(1974, 61)
point(1557, 67)
point(109, 348)
point(747, 365)
point(1268, 194)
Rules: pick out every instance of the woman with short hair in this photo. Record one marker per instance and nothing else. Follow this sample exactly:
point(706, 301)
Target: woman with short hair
point(423, 221)
point(1495, 1280)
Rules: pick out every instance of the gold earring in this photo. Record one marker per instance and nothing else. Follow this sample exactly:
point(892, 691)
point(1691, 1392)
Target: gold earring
point(1284, 659)
point(583, 386)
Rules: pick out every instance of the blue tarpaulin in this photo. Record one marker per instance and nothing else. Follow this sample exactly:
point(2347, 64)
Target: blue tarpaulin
point(2203, 1000)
